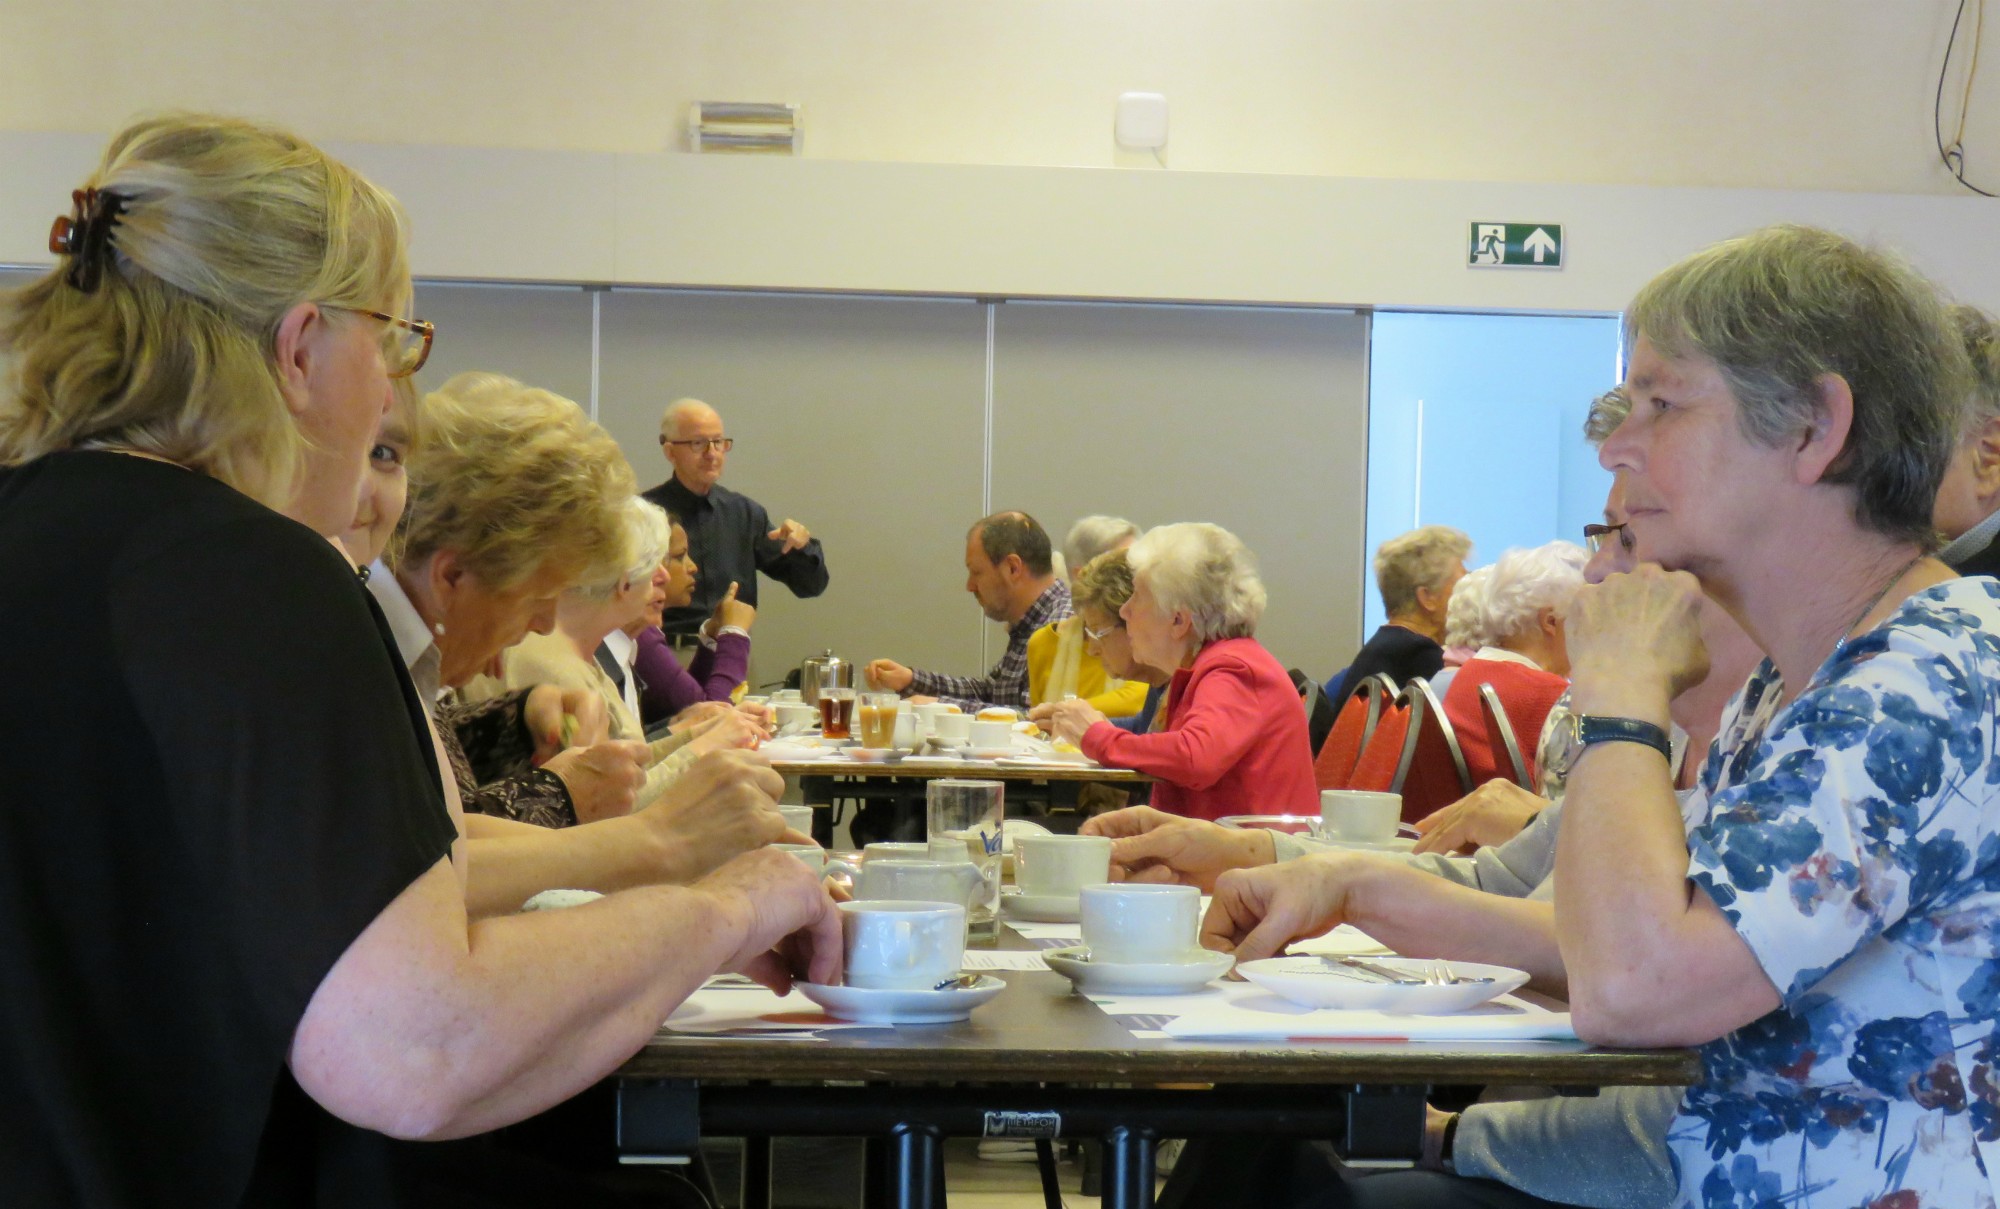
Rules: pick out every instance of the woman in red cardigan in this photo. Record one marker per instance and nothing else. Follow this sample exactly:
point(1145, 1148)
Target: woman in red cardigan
point(1234, 738)
point(1522, 653)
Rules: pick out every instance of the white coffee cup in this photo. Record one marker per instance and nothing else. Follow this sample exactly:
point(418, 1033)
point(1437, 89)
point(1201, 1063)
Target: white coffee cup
point(1057, 866)
point(1140, 923)
point(814, 857)
point(952, 728)
point(992, 734)
point(1360, 816)
point(798, 818)
point(929, 712)
point(919, 881)
point(792, 713)
point(909, 731)
point(902, 945)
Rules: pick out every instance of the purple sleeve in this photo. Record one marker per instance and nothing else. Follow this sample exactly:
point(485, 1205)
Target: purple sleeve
point(720, 668)
point(665, 688)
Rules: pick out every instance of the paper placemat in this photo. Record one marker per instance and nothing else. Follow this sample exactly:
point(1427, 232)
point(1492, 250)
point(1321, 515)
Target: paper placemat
point(1004, 959)
point(1344, 941)
point(1248, 1013)
point(735, 1010)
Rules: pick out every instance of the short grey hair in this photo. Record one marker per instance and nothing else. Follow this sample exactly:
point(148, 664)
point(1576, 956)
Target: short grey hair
point(1778, 310)
point(670, 419)
point(1421, 558)
point(1204, 571)
point(648, 536)
point(1607, 412)
point(1524, 582)
point(1981, 337)
point(1093, 535)
point(1465, 619)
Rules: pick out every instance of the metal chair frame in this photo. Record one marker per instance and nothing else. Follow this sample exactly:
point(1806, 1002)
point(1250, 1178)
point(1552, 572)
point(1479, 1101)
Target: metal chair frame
point(1500, 735)
point(1424, 707)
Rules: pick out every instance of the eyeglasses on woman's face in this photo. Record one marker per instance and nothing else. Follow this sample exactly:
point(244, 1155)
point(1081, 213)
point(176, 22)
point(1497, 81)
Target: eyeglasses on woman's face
point(409, 340)
point(1596, 537)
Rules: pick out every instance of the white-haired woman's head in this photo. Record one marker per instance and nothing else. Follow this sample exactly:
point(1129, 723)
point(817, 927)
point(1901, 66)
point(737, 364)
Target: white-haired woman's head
point(1465, 619)
point(1095, 535)
point(1192, 584)
point(1528, 595)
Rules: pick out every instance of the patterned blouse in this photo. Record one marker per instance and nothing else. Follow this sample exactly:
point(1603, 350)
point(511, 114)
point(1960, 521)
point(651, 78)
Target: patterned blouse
point(1853, 839)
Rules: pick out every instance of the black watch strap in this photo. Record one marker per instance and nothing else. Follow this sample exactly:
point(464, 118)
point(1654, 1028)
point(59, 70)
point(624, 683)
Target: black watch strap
point(1591, 730)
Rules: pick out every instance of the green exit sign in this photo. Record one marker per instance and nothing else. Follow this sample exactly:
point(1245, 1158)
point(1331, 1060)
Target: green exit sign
point(1516, 245)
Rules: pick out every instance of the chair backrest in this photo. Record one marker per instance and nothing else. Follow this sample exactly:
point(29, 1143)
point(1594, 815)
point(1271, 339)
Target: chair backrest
point(1431, 772)
point(1334, 766)
point(1500, 737)
point(1320, 713)
point(1376, 767)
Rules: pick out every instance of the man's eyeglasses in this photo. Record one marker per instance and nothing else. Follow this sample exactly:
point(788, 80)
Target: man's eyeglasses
point(1595, 537)
point(410, 343)
point(1100, 635)
point(703, 444)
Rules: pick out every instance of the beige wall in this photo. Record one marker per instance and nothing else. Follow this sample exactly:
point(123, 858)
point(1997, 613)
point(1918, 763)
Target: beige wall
point(1791, 94)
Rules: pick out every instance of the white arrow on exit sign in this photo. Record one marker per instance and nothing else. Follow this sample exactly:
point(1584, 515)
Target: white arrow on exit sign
point(1540, 244)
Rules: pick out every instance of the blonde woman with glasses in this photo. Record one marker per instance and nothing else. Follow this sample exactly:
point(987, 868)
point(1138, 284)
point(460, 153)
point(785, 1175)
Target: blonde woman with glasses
point(236, 914)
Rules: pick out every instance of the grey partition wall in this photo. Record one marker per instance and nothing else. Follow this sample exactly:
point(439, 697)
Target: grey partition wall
point(1254, 419)
point(539, 334)
point(862, 418)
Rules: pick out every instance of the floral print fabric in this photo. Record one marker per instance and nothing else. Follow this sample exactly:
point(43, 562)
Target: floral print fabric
point(1851, 839)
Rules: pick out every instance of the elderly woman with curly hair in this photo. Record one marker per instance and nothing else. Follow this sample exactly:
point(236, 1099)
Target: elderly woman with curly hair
point(1233, 738)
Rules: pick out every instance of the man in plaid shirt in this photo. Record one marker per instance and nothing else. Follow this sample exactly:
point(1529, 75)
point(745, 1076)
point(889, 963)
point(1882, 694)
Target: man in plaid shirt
point(1010, 571)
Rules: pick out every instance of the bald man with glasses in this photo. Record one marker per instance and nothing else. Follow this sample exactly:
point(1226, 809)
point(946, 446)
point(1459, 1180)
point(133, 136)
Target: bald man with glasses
point(730, 536)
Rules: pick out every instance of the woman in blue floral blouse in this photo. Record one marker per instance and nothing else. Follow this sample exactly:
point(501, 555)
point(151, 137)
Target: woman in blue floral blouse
point(1824, 925)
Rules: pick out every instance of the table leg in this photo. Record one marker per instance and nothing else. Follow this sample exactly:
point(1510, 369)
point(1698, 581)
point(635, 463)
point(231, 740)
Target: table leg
point(1128, 1168)
point(915, 1167)
point(756, 1173)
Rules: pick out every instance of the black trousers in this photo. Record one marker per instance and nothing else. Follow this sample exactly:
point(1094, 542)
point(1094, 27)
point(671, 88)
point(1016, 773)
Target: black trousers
point(1284, 1173)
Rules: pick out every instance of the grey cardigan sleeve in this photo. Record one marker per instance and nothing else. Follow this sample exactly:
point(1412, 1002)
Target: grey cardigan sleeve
point(1607, 1151)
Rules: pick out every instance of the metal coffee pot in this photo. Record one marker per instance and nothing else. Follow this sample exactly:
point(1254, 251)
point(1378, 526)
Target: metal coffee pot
point(828, 670)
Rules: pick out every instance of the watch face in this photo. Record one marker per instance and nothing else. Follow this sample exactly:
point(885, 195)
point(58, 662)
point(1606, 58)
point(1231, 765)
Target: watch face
point(1569, 745)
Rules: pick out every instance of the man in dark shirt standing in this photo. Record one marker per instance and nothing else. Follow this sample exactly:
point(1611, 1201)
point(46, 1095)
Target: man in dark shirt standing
point(730, 536)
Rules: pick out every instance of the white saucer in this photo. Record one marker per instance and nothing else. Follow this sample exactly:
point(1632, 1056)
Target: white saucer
point(1138, 978)
point(1040, 908)
point(988, 753)
point(778, 749)
point(878, 1006)
point(874, 755)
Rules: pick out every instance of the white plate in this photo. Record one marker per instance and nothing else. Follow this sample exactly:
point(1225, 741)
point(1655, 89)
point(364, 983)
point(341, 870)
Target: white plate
point(876, 1006)
point(988, 753)
point(1316, 982)
point(874, 755)
point(793, 753)
point(1040, 908)
point(1138, 978)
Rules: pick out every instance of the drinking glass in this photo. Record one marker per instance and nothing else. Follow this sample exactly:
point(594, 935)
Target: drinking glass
point(972, 812)
point(877, 719)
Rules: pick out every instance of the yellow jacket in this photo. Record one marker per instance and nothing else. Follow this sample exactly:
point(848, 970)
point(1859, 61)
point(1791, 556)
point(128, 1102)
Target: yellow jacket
point(1112, 698)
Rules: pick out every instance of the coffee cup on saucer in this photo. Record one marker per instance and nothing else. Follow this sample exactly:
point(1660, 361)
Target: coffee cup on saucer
point(798, 818)
point(1133, 924)
point(991, 734)
point(896, 850)
point(951, 730)
point(1359, 816)
point(902, 945)
point(793, 713)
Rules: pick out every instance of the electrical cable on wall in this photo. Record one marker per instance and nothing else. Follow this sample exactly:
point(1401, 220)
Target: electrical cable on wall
point(1952, 154)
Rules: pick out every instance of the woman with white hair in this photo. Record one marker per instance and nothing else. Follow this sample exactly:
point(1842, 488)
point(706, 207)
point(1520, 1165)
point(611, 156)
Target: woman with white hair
point(1464, 626)
point(566, 655)
point(1060, 662)
point(1234, 738)
point(1526, 595)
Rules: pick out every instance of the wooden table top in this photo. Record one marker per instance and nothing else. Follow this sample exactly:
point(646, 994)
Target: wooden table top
point(835, 766)
point(1039, 1031)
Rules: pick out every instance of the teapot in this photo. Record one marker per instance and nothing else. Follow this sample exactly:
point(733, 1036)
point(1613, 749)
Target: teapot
point(823, 671)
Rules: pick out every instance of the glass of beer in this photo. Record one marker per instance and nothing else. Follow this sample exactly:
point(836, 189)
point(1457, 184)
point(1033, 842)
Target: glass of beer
point(877, 718)
point(836, 712)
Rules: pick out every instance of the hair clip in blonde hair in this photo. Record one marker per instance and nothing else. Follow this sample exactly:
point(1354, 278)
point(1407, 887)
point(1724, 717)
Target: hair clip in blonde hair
point(84, 235)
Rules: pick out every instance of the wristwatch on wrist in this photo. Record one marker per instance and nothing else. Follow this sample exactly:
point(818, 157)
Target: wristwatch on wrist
point(1581, 730)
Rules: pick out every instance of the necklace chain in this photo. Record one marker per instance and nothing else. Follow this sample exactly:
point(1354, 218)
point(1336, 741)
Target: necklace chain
point(1847, 635)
